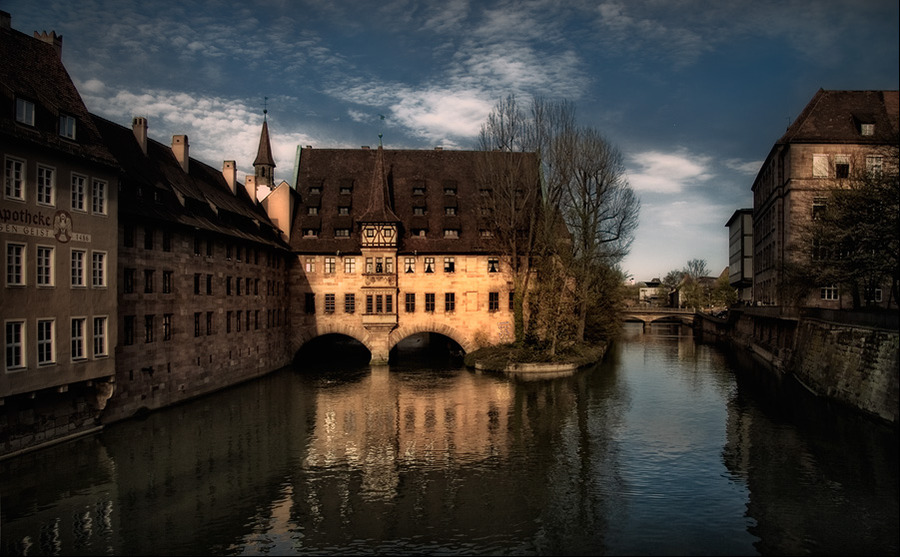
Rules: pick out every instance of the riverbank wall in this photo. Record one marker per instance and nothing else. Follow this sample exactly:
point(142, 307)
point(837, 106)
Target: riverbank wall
point(848, 358)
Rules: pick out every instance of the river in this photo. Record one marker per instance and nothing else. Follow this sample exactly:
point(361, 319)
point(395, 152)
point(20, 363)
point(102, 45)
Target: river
point(669, 446)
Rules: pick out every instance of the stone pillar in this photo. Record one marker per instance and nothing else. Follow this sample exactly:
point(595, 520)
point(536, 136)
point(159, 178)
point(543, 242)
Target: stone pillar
point(379, 344)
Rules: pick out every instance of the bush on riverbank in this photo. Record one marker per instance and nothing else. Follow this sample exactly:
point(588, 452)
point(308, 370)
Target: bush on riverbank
point(497, 358)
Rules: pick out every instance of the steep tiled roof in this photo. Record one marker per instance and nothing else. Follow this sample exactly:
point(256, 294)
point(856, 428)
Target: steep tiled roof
point(344, 178)
point(836, 116)
point(32, 69)
point(264, 154)
point(156, 187)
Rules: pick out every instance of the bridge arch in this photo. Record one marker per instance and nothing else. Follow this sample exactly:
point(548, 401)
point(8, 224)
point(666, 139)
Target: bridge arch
point(354, 332)
point(459, 338)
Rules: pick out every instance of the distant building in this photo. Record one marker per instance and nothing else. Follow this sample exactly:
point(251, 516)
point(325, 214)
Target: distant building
point(58, 217)
point(740, 253)
point(652, 293)
point(837, 133)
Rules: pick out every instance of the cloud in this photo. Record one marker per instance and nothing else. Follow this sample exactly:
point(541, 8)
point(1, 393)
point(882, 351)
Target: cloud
point(668, 173)
point(750, 168)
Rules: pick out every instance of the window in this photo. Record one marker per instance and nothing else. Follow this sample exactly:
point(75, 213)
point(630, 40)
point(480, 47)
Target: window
point(343, 210)
point(389, 303)
point(46, 354)
point(128, 330)
point(15, 264)
point(329, 303)
point(449, 264)
point(829, 293)
point(410, 302)
point(209, 284)
point(493, 264)
point(128, 235)
point(369, 307)
point(228, 286)
point(379, 265)
point(873, 295)
point(379, 303)
point(493, 301)
point(209, 248)
point(167, 282)
point(418, 190)
point(148, 237)
point(148, 328)
point(197, 243)
point(419, 211)
point(15, 341)
point(342, 233)
point(312, 210)
point(46, 183)
point(310, 265)
point(388, 264)
point(512, 300)
point(98, 269)
point(310, 303)
point(209, 320)
point(349, 303)
point(78, 338)
point(867, 129)
point(329, 265)
point(841, 166)
point(315, 190)
point(237, 284)
point(66, 126)
point(820, 166)
point(310, 232)
point(167, 326)
point(419, 232)
point(818, 207)
point(197, 324)
point(14, 179)
point(78, 185)
point(449, 190)
point(449, 302)
point(98, 197)
point(429, 302)
point(429, 264)
point(25, 112)
point(874, 165)
point(409, 265)
point(167, 240)
point(148, 281)
point(78, 267)
point(44, 262)
point(227, 321)
point(196, 283)
point(100, 344)
point(485, 233)
point(349, 265)
point(369, 265)
point(450, 211)
point(451, 233)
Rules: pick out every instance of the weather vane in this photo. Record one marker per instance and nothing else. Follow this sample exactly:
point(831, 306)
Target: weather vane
point(265, 107)
point(380, 134)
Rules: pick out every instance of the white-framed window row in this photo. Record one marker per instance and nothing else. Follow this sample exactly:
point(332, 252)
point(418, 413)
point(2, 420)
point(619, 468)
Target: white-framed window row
point(15, 264)
point(46, 341)
point(14, 345)
point(45, 265)
point(46, 185)
point(79, 184)
point(98, 269)
point(78, 274)
point(14, 179)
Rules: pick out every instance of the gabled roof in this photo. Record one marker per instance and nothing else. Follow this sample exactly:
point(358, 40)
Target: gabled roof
point(155, 187)
point(31, 69)
point(836, 116)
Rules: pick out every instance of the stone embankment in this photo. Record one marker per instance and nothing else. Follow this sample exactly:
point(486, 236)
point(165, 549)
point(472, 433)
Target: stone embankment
point(833, 354)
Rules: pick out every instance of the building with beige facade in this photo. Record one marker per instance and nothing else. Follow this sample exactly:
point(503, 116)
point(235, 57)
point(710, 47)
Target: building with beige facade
point(838, 134)
point(740, 254)
point(58, 217)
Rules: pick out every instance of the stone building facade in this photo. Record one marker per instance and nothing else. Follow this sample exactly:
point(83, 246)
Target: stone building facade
point(58, 217)
point(740, 253)
point(837, 134)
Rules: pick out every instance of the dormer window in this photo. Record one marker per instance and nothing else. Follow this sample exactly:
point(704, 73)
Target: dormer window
point(449, 191)
point(451, 233)
point(419, 211)
point(343, 210)
point(867, 129)
point(25, 112)
point(419, 190)
point(311, 233)
point(346, 190)
point(312, 210)
point(315, 190)
point(449, 211)
point(67, 126)
point(341, 232)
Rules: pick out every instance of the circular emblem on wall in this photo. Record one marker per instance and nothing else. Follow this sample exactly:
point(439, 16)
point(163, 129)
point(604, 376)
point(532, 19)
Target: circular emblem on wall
point(62, 226)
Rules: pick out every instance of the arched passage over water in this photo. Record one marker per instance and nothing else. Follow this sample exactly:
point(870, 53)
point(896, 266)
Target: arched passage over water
point(332, 349)
point(427, 346)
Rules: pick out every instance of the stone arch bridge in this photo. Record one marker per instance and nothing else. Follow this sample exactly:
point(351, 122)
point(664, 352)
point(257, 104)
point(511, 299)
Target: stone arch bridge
point(652, 315)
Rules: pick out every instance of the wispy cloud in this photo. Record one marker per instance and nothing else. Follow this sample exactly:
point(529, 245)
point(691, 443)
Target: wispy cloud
point(668, 173)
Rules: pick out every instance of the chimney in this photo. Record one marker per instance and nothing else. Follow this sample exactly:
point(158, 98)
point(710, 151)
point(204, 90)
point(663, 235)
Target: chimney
point(139, 127)
point(5, 20)
point(250, 186)
point(181, 150)
point(52, 39)
point(229, 171)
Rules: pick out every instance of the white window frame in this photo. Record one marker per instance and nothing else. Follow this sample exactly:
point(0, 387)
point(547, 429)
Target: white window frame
point(830, 293)
point(77, 332)
point(98, 269)
point(349, 265)
point(67, 126)
point(874, 164)
point(100, 335)
point(98, 197)
point(14, 350)
point(15, 264)
point(24, 111)
point(44, 260)
point(329, 265)
point(46, 341)
point(14, 178)
point(79, 183)
point(46, 185)
point(78, 257)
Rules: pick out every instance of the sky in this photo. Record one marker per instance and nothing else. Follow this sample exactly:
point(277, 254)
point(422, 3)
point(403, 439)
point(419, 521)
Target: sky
point(693, 93)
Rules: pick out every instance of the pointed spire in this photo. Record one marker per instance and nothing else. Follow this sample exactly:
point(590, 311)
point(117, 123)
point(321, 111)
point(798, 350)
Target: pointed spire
point(379, 209)
point(264, 154)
